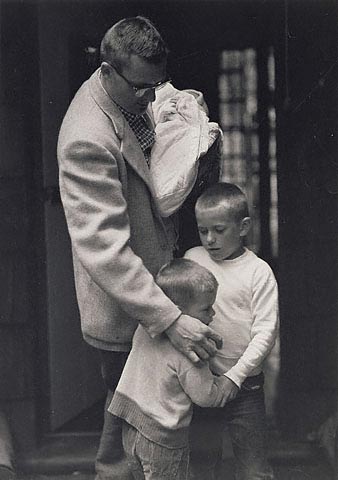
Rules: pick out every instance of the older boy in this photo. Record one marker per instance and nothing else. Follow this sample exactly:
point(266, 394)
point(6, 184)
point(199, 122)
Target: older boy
point(247, 317)
point(158, 384)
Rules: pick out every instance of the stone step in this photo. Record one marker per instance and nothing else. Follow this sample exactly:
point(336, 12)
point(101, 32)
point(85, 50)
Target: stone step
point(72, 452)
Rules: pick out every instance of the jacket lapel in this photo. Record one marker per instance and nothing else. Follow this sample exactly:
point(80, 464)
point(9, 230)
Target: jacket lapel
point(132, 152)
point(130, 148)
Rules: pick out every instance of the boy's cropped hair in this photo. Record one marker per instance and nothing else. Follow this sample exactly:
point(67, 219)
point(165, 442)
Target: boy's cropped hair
point(134, 35)
point(183, 279)
point(227, 194)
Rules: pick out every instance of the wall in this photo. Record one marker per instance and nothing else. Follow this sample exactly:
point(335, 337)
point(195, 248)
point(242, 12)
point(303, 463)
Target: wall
point(307, 108)
point(19, 224)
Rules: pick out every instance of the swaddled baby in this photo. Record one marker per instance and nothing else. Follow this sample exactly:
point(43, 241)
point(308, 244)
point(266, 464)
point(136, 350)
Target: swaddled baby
point(183, 135)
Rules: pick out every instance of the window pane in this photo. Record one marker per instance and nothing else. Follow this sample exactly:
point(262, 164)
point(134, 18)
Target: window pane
point(238, 118)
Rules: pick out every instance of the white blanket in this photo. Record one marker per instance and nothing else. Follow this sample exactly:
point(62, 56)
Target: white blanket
point(183, 135)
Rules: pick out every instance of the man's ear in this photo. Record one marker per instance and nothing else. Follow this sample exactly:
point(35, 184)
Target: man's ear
point(245, 226)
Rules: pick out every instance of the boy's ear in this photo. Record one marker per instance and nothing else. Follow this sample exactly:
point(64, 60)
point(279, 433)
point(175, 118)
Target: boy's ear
point(245, 226)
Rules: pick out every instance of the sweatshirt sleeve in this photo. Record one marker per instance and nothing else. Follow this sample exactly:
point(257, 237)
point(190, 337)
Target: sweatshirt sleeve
point(98, 223)
point(201, 385)
point(265, 324)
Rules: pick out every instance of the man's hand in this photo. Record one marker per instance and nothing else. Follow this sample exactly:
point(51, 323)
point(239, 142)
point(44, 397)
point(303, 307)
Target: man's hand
point(194, 339)
point(227, 390)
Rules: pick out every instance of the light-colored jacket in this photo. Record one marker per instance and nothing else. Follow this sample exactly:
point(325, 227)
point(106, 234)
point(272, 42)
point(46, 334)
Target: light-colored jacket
point(119, 240)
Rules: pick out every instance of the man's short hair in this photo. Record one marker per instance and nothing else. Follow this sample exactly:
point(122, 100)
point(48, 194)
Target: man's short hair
point(134, 35)
point(227, 194)
point(182, 280)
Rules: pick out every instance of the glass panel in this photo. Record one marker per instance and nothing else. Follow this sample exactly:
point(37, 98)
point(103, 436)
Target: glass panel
point(238, 112)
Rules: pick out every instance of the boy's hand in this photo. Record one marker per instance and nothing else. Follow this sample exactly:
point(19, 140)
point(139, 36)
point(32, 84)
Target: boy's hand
point(227, 390)
point(194, 339)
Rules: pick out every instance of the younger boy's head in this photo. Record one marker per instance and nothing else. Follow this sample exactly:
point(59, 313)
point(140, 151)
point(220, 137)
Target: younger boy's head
point(190, 286)
point(223, 220)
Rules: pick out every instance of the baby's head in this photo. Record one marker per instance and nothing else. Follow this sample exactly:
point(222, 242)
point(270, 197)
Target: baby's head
point(190, 286)
point(223, 220)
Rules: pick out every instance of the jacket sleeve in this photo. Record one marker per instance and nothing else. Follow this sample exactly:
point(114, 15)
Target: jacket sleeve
point(98, 223)
point(202, 386)
point(265, 325)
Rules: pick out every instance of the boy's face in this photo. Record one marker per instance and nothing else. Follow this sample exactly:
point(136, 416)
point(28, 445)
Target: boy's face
point(201, 307)
point(221, 235)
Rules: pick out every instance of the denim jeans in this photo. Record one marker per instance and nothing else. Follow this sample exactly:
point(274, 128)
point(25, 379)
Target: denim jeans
point(149, 461)
point(110, 462)
point(246, 421)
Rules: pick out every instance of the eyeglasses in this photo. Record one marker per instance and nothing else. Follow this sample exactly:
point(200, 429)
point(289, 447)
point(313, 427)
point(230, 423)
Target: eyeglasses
point(140, 91)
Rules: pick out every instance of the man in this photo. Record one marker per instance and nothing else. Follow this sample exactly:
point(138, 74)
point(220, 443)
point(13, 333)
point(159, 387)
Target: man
point(119, 240)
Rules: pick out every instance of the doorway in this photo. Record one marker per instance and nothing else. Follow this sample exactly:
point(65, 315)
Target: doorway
point(73, 380)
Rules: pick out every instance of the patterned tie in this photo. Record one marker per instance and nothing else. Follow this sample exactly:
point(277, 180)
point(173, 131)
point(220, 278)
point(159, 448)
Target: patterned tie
point(144, 135)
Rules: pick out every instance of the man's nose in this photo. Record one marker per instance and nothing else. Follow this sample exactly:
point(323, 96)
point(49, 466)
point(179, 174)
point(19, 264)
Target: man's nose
point(150, 94)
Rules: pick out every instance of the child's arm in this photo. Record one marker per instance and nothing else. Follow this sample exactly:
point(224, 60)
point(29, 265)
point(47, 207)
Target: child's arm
point(204, 388)
point(265, 324)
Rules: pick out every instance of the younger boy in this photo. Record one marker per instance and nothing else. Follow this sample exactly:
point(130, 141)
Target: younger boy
point(158, 384)
point(246, 316)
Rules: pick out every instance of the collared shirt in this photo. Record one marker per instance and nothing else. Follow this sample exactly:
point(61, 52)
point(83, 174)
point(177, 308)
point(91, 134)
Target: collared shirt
point(144, 135)
point(138, 124)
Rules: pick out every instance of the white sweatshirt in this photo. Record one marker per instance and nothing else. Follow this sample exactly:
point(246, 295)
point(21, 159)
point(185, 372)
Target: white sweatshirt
point(246, 312)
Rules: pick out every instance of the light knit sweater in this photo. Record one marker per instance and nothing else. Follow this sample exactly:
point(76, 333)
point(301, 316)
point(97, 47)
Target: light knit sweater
point(246, 315)
point(157, 388)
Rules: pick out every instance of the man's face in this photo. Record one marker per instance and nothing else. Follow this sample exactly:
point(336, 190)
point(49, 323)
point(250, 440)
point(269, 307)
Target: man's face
point(135, 73)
